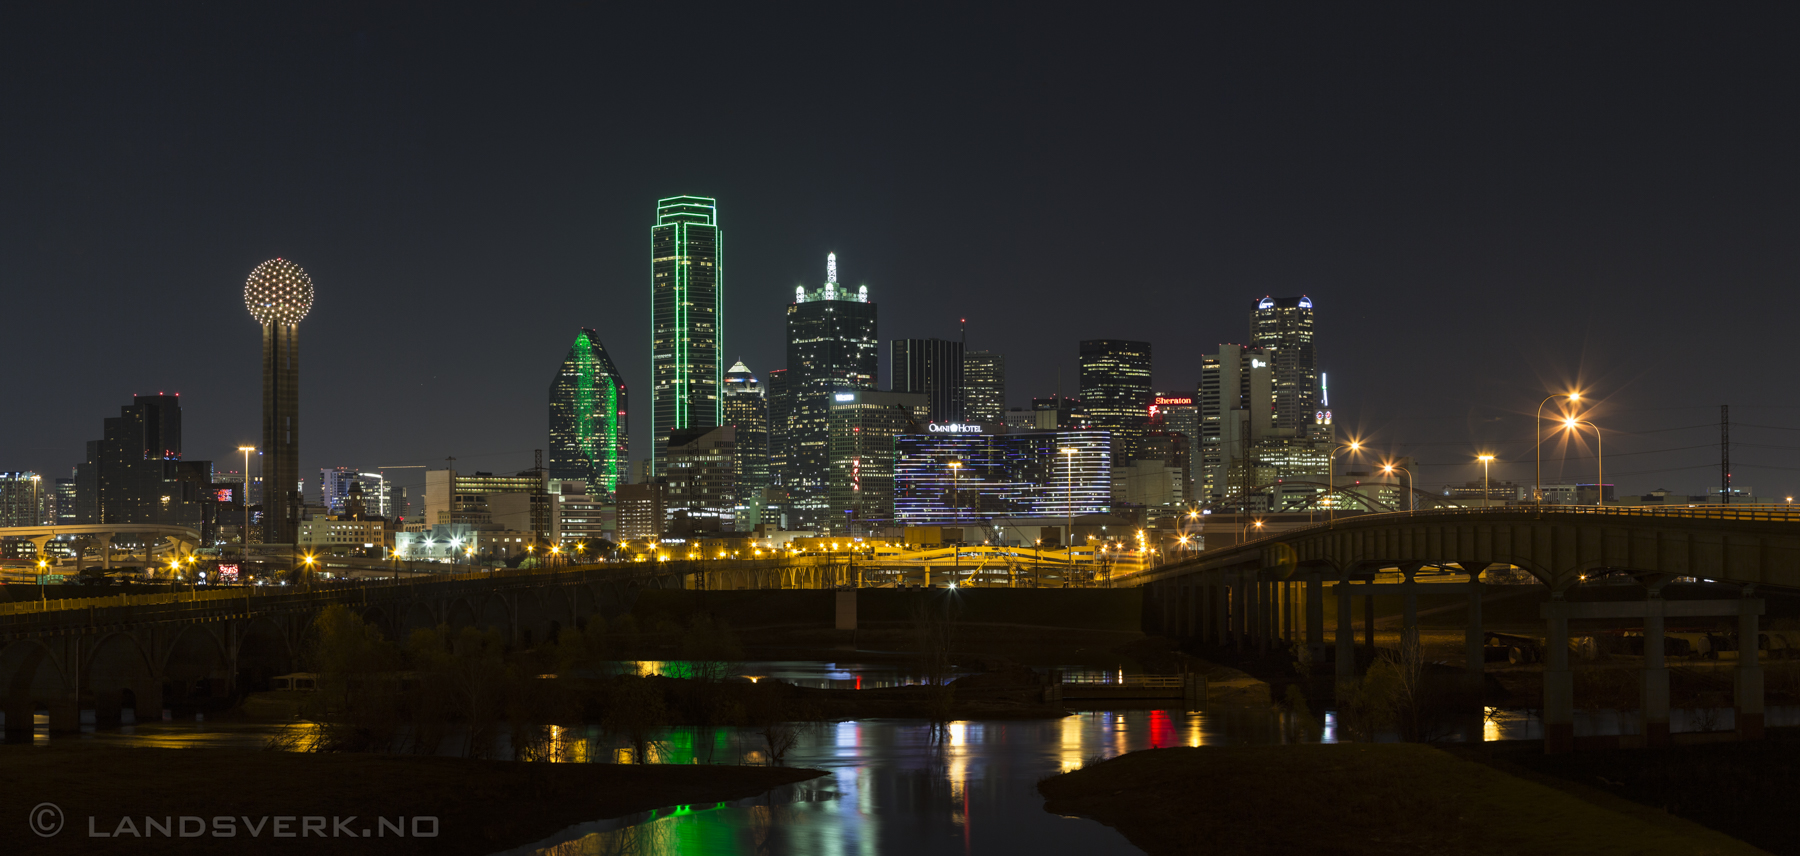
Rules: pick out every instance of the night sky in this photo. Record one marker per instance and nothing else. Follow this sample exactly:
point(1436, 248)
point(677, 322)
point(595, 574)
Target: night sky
point(1486, 205)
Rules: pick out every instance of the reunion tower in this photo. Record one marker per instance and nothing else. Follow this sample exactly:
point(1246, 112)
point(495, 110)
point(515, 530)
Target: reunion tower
point(279, 294)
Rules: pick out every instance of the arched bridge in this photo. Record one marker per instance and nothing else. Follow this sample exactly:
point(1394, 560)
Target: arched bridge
point(142, 652)
point(1270, 589)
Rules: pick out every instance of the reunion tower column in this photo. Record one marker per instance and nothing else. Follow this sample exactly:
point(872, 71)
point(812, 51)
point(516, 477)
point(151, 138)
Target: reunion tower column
point(279, 294)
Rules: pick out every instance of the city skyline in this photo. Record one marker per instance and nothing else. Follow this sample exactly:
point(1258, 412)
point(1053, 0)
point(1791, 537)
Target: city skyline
point(1555, 264)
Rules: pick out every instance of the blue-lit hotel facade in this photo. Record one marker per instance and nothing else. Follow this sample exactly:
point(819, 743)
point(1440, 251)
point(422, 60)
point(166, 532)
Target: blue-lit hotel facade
point(1001, 475)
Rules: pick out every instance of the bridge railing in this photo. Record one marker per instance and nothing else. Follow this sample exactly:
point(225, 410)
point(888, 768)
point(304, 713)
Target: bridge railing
point(1762, 512)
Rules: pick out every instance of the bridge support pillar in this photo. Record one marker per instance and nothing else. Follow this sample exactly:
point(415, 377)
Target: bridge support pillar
point(1265, 626)
point(1239, 611)
point(1315, 616)
point(1369, 619)
point(1748, 696)
point(1656, 674)
point(1221, 609)
point(1409, 628)
point(1559, 685)
point(65, 715)
point(1474, 652)
point(1346, 639)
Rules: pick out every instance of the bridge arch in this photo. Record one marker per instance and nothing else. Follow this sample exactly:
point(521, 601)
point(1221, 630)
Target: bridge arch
point(118, 675)
point(531, 618)
point(263, 651)
point(495, 615)
point(30, 676)
point(417, 617)
point(461, 614)
point(195, 664)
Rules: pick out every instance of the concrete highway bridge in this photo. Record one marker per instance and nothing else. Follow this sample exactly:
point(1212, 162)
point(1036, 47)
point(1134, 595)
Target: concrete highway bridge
point(144, 652)
point(1270, 591)
point(179, 539)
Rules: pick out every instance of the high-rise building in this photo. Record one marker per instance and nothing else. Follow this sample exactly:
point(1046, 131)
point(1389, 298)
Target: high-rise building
point(134, 474)
point(1236, 410)
point(1283, 326)
point(65, 502)
point(747, 409)
point(1115, 392)
point(1174, 413)
point(832, 347)
point(778, 427)
point(278, 295)
point(579, 516)
point(863, 427)
point(334, 487)
point(590, 436)
point(701, 477)
point(22, 499)
point(984, 386)
point(1047, 474)
point(1057, 413)
point(453, 498)
point(641, 511)
point(685, 282)
point(932, 368)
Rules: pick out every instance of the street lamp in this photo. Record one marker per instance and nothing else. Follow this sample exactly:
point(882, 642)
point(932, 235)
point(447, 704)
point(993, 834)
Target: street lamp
point(1574, 424)
point(1069, 502)
point(1538, 438)
point(1331, 479)
point(244, 497)
point(956, 515)
point(1389, 469)
point(1485, 461)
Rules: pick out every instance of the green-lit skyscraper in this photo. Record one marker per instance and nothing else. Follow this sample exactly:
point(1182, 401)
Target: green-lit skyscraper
point(589, 434)
point(685, 278)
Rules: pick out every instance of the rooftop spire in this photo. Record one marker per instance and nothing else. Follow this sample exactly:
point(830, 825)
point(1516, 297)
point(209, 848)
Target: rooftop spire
point(831, 267)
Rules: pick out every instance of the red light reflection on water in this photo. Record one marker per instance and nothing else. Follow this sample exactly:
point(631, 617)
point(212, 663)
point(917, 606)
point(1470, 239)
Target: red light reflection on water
point(1162, 729)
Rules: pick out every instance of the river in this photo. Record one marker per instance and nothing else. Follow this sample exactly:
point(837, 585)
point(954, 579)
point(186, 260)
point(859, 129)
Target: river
point(899, 786)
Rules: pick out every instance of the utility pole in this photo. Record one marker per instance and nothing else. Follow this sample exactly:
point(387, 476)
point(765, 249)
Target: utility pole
point(1725, 453)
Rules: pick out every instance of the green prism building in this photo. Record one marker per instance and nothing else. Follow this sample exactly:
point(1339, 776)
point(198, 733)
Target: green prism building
point(589, 434)
point(685, 277)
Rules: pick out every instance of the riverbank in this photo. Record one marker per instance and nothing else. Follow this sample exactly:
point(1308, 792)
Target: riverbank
point(1353, 799)
point(481, 806)
point(1742, 788)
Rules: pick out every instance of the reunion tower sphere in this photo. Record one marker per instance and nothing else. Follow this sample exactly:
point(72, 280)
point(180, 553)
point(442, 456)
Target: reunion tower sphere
point(278, 292)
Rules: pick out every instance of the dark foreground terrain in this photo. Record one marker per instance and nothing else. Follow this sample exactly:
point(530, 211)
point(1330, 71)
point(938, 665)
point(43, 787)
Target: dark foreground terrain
point(481, 806)
point(1389, 799)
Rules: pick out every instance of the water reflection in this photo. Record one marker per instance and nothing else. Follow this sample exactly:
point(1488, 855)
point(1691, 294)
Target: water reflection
point(896, 786)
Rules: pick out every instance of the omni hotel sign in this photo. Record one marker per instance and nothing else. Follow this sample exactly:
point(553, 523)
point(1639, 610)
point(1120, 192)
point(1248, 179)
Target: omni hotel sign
point(953, 428)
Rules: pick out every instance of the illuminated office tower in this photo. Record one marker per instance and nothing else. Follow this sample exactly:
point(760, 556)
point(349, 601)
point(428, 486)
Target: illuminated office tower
point(746, 406)
point(589, 433)
point(1115, 392)
point(831, 348)
point(278, 295)
point(984, 386)
point(778, 427)
point(1236, 411)
point(685, 282)
point(1283, 326)
point(22, 499)
point(932, 368)
point(863, 427)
